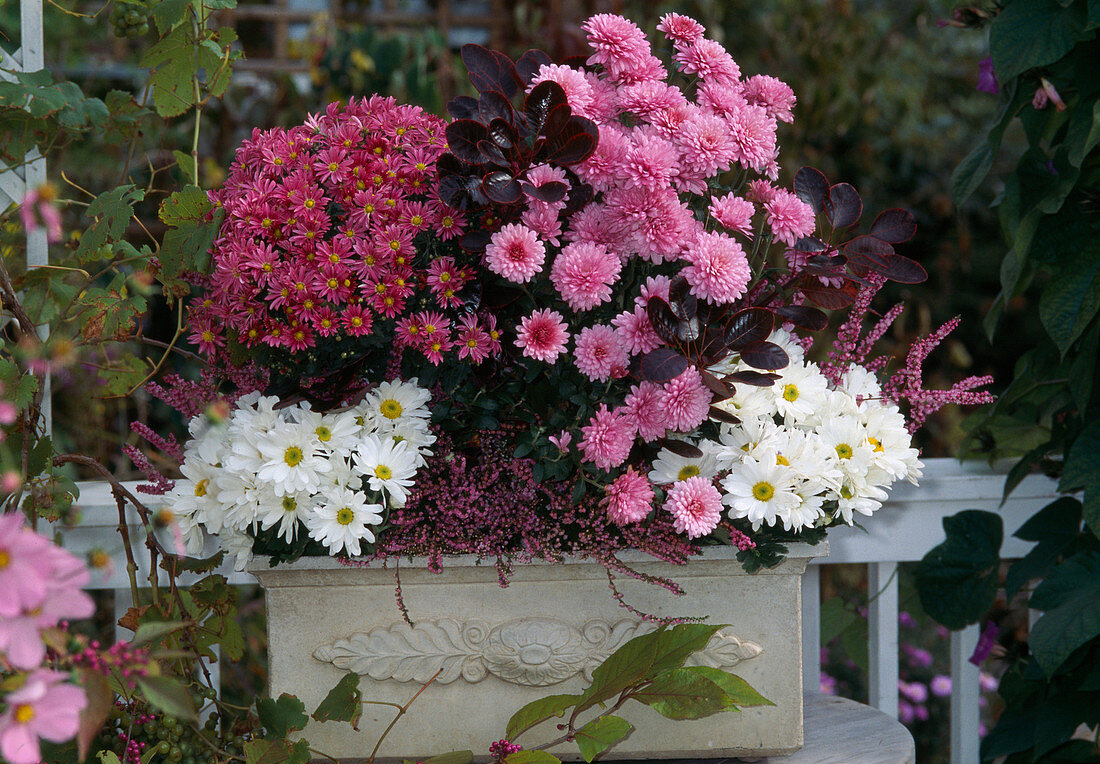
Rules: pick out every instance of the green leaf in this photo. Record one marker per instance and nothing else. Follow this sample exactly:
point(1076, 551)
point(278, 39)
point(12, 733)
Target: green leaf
point(1084, 131)
point(1082, 374)
point(970, 173)
point(177, 61)
point(531, 757)
point(344, 702)
point(111, 212)
point(276, 752)
point(538, 711)
point(281, 717)
point(1031, 33)
point(737, 689)
point(957, 580)
point(1082, 471)
point(1055, 527)
point(231, 639)
point(169, 695)
point(168, 13)
point(107, 757)
point(600, 734)
point(683, 694)
point(192, 229)
point(1070, 597)
point(1071, 298)
point(155, 632)
point(186, 163)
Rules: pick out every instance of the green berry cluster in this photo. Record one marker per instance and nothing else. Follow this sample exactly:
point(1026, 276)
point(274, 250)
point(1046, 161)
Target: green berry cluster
point(130, 18)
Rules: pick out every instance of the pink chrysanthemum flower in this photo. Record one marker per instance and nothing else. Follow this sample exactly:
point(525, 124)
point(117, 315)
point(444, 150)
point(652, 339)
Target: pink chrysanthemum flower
point(515, 253)
point(723, 100)
point(601, 169)
point(542, 335)
point(719, 270)
point(545, 221)
point(583, 274)
point(643, 408)
point(607, 439)
point(753, 134)
point(696, 506)
point(708, 145)
point(649, 97)
point(629, 498)
point(578, 91)
point(710, 61)
point(599, 354)
point(682, 30)
point(774, 95)
point(636, 331)
point(617, 41)
point(760, 191)
point(654, 286)
point(651, 161)
point(733, 212)
point(685, 401)
point(789, 217)
point(605, 100)
point(593, 225)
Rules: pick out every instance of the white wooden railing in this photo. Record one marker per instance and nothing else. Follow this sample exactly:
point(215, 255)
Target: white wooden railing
point(903, 531)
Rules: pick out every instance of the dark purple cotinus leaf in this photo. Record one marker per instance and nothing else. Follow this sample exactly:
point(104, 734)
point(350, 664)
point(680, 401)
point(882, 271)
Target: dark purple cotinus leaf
point(765, 355)
point(812, 187)
point(493, 105)
point(662, 365)
point(503, 134)
point(456, 187)
point(894, 226)
point(681, 448)
point(462, 139)
point(492, 154)
point(717, 386)
point(713, 348)
point(573, 144)
point(721, 415)
point(490, 69)
point(684, 304)
point(870, 253)
point(669, 327)
point(540, 102)
point(843, 207)
point(462, 107)
point(803, 316)
point(500, 187)
point(499, 294)
point(754, 378)
point(528, 65)
point(475, 240)
point(825, 296)
point(749, 326)
point(550, 192)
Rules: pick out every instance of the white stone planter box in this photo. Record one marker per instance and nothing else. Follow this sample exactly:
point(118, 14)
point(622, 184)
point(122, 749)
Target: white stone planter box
point(501, 648)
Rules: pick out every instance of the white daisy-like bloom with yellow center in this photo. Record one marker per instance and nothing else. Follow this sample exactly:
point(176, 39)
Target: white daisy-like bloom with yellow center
point(387, 465)
point(844, 441)
point(238, 492)
point(392, 404)
point(255, 415)
point(736, 442)
point(284, 511)
point(415, 432)
point(763, 492)
point(892, 454)
point(293, 459)
point(341, 518)
point(670, 467)
point(864, 386)
point(196, 494)
point(864, 499)
point(337, 434)
point(799, 393)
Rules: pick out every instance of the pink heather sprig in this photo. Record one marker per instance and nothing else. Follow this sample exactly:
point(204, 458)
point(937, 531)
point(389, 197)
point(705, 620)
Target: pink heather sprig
point(906, 383)
point(166, 444)
point(125, 663)
point(158, 484)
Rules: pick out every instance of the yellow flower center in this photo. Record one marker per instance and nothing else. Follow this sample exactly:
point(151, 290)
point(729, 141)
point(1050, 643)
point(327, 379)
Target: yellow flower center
point(382, 472)
point(471, 343)
point(763, 491)
point(310, 204)
point(5, 559)
point(790, 393)
point(780, 459)
point(444, 277)
point(290, 503)
point(395, 245)
point(23, 714)
point(207, 335)
point(324, 434)
point(447, 221)
point(344, 516)
point(844, 451)
point(390, 408)
point(200, 487)
point(876, 444)
point(416, 220)
point(332, 167)
point(846, 492)
point(293, 456)
point(687, 471)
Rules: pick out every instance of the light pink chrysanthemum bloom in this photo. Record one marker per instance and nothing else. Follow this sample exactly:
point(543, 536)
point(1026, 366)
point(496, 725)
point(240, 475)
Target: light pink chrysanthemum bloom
point(593, 225)
point(719, 270)
point(710, 61)
point(515, 253)
point(578, 91)
point(636, 331)
point(629, 498)
point(649, 97)
point(542, 335)
point(685, 401)
point(545, 220)
point(605, 100)
point(651, 161)
point(654, 286)
point(26, 569)
point(599, 354)
point(789, 217)
point(707, 144)
point(658, 222)
point(607, 439)
point(753, 134)
point(723, 100)
point(682, 30)
point(760, 191)
point(774, 95)
point(643, 407)
point(696, 506)
point(733, 212)
point(618, 42)
point(602, 169)
point(583, 274)
point(43, 707)
point(38, 205)
point(562, 440)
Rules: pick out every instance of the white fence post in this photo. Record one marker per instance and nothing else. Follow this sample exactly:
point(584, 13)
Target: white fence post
point(882, 588)
point(811, 628)
point(965, 694)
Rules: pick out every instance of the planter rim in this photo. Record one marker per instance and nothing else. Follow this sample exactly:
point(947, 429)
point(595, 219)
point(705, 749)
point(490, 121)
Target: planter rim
point(260, 563)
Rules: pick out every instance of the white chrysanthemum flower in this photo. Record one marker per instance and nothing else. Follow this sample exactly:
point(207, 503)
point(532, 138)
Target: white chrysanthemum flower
point(807, 512)
point(293, 459)
point(749, 402)
point(337, 433)
point(239, 545)
point(862, 385)
point(196, 495)
point(736, 442)
point(284, 511)
point(393, 403)
point(341, 518)
point(415, 432)
point(800, 393)
point(238, 492)
point(760, 491)
point(670, 467)
point(786, 340)
point(891, 445)
point(845, 441)
point(388, 465)
point(805, 454)
point(191, 535)
point(342, 475)
point(865, 500)
point(208, 440)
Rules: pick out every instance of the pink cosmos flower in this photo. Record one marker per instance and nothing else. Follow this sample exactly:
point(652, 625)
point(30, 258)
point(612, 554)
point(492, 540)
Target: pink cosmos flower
point(685, 401)
point(37, 208)
point(607, 438)
point(635, 331)
point(643, 408)
point(515, 253)
point(774, 95)
point(629, 498)
point(696, 506)
point(789, 217)
point(733, 212)
point(599, 354)
point(682, 30)
point(44, 707)
point(542, 335)
point(26, 563)
point(719, 270)
point(583, 274)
